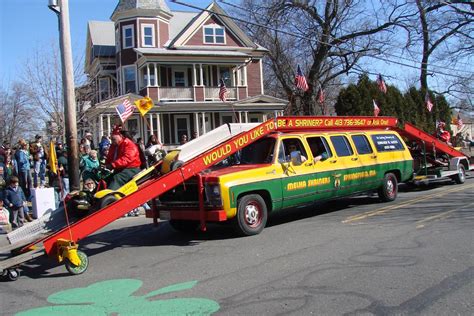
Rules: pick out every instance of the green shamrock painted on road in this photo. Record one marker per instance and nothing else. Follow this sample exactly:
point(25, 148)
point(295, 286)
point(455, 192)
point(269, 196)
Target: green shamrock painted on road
point(115, 297)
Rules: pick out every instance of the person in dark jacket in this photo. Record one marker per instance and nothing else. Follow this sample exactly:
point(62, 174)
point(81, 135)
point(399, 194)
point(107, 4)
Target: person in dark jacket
point(23, 166)
point(123, 158)
point(15, 201)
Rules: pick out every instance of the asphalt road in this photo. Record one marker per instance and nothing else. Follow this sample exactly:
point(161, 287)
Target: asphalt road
point(355, 256)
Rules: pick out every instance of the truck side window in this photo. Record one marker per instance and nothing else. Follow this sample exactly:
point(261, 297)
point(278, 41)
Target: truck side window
point(319, 146)
point(387, 142)
point(362, 144)
point(291, 145)
point(342, 146)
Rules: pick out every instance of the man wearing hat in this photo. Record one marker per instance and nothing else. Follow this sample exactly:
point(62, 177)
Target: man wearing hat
point(89, 140)
point(123, 158)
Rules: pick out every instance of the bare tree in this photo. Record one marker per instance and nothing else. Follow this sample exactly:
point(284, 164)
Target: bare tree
point(16, 116)
point(445, 31)
point(42, 76)
point(328, 38)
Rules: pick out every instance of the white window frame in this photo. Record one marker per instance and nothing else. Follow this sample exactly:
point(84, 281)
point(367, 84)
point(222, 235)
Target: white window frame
point(106, 79)
point(124, 91)
point(179, 69)
point(142, 28)
point(257, 116)
point(188, 126)
point(124, 39)
point(117, 39)
point(221, 115)
point(213, 27)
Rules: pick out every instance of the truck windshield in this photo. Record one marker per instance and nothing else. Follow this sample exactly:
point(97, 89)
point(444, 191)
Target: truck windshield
point(260, 152)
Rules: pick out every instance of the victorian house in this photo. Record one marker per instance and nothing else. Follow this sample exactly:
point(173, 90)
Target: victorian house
point(178, 59)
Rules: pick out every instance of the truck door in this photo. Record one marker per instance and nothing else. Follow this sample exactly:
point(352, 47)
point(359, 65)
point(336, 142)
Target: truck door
point(321, 181)
point(297, 169)
point(346, 166)
point(367, 159)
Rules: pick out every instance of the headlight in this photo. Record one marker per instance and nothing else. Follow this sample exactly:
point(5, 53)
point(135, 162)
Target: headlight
point(213, 194)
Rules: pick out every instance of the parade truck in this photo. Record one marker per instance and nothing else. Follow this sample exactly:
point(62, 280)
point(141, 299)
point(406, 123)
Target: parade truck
point(305, 160)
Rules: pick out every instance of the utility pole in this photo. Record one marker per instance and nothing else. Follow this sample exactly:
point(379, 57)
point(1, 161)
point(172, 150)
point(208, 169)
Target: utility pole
point(61, 8)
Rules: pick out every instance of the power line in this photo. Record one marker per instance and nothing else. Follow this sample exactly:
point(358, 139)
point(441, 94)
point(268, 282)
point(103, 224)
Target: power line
point(385, 53)
point(311, 39)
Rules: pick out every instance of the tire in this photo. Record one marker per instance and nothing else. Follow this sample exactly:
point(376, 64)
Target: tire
point(461, 176)
point(184, 226)
point(13, 274)
point(176, 164)
point(76, 270)
point(107, 200)
point(251, 215)
point(389, 189)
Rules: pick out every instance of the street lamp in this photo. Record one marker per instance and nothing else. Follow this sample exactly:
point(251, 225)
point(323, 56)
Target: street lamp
point(61, 8)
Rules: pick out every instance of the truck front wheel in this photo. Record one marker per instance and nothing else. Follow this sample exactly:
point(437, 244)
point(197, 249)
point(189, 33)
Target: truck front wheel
point(251, 215)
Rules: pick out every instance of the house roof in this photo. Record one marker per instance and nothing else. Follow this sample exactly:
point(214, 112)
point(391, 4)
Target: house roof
point(102, 33)
point(179, 21)
point(190, 52)
point(126, 5)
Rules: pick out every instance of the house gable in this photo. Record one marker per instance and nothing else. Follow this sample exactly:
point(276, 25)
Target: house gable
point(193, 33)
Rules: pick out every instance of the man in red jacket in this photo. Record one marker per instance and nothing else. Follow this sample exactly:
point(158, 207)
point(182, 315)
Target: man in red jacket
point(123, 158)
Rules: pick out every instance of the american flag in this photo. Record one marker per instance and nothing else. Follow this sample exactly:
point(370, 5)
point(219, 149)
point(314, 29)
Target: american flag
point(321, 95)
point(459, 122)
point(300, 80)
point(381, 84)
point(429, 104)
point(222, 91)
point(125, 110)
point(376, 108)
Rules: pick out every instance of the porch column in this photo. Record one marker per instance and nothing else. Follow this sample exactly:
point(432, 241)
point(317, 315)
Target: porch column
point(169, 129)
point(156, 74)
point(109, 130)
point(203, 114)
point(201, 75)
point(245, 75)
point(101, 126)
point(194, 75)
point(196, 123)
point(148, 75)
point(240, 116)
point(264, 117)
point(158, 128)
point(150, 116)
point(246, 116)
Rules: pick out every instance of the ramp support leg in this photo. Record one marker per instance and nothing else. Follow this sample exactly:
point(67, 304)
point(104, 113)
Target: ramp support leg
point(154, 210)
point(202, 214)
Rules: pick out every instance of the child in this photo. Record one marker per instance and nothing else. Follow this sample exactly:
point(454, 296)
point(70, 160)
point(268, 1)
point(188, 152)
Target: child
point(15, 200)
point(5, 226)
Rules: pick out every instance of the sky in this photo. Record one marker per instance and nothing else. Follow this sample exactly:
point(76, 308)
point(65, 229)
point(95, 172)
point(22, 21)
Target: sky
point(26, 25)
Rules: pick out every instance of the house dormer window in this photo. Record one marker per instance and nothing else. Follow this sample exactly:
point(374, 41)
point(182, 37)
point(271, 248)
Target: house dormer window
point(148, 35)
point(214, 34)
point(128, 36)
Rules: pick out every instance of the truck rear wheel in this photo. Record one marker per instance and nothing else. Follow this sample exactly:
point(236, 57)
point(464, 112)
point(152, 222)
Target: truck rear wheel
point(389, 190)
point(251, 215)
point(461, 176)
